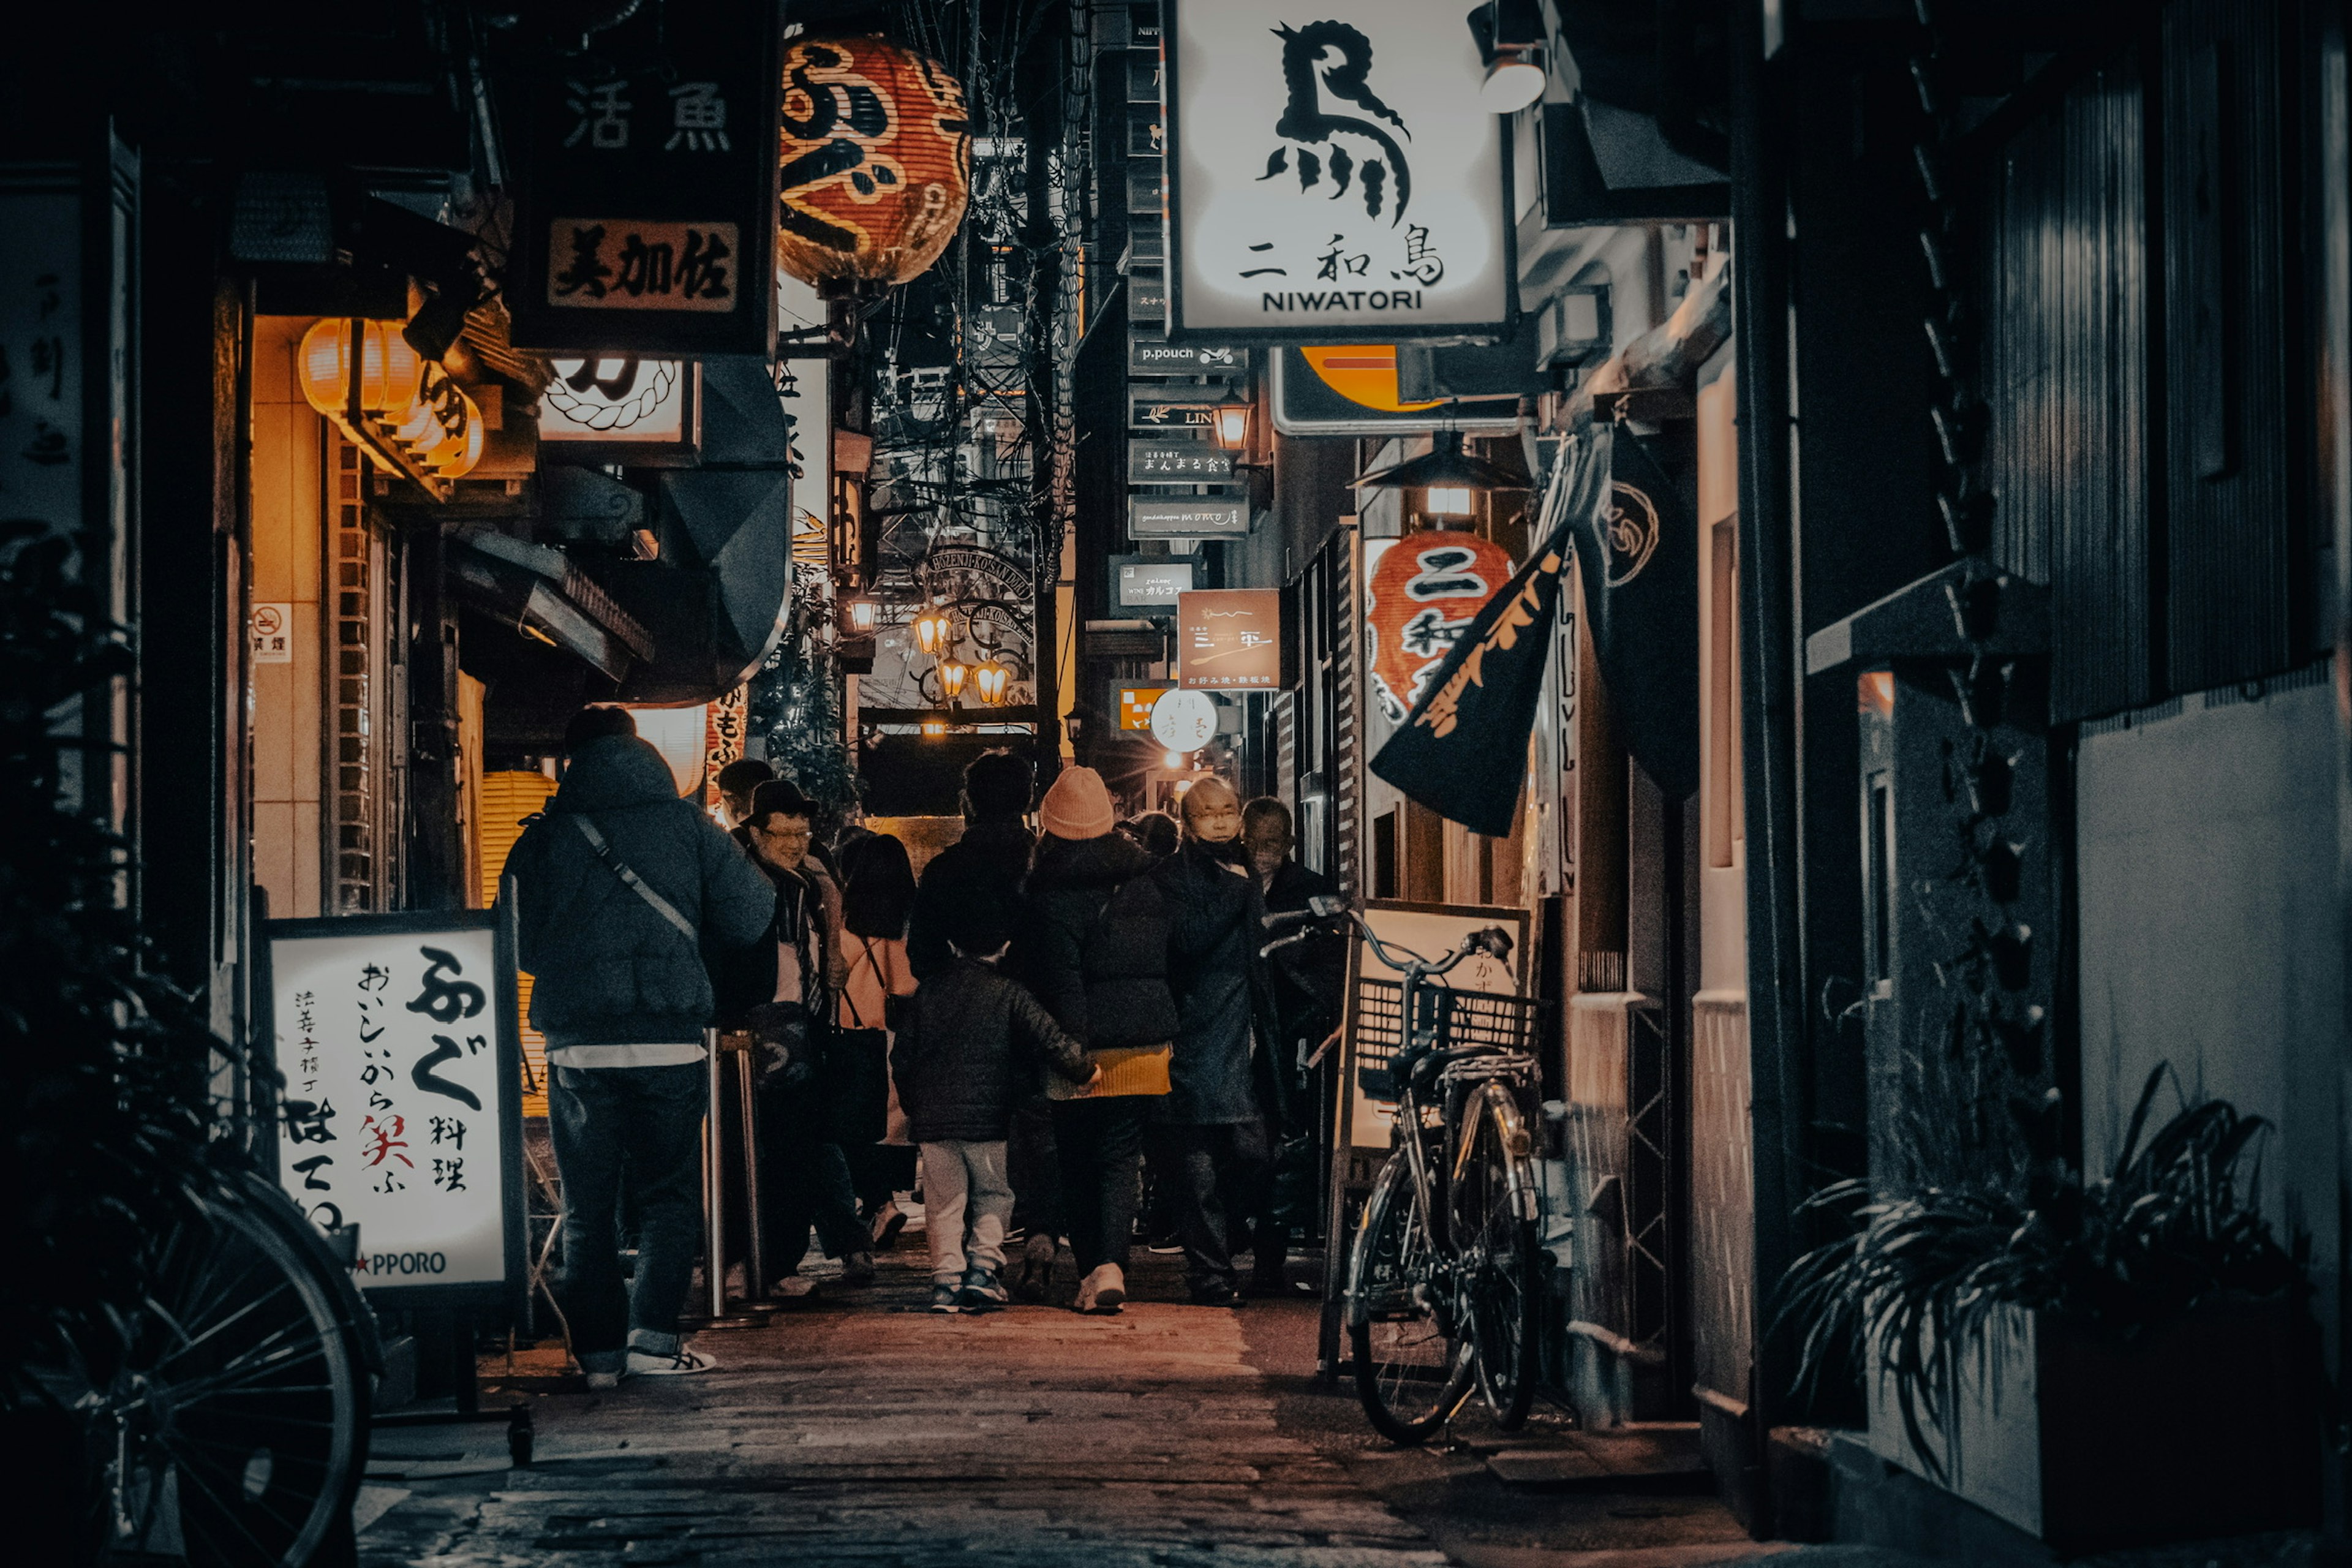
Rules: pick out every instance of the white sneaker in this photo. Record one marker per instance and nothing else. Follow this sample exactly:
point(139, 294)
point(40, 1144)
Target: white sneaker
point(1102, 1291)
point(600, 1380)
point(646, 1364)
point(794, 1285)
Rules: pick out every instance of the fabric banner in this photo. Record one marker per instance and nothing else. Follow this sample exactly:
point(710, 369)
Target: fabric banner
point(1639, 547)
point(1462, 750)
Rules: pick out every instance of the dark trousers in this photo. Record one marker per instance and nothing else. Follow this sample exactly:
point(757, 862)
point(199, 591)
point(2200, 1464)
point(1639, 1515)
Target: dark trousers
point(878, 1169)
point(804, 1181)
point(652, 1117)
point(1099, 1143)
point(1031, 1167)
point(1221, 1174)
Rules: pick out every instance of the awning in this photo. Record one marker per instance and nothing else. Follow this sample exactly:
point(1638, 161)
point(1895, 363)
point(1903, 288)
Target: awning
point(538, 590)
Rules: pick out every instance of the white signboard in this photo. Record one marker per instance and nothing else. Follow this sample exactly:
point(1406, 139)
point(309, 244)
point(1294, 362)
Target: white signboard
point(273, 633)
point(806, 396)
point(1332, 168)
point(402, 1103)
point(1432, 931)
point(1185, 720)
point(615, 397)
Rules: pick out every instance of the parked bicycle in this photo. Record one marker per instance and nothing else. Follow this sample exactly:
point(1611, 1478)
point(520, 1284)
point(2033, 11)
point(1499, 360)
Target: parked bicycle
point(1443, 1275)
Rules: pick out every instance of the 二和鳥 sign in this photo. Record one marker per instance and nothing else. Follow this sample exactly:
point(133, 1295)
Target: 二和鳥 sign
point(1331, 168)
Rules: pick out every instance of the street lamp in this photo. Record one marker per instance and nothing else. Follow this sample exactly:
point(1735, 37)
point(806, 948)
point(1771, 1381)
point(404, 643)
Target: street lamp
point(1448, 501)
point(863, 614)
point(931, 630)
point(1232, 422)
point(951, 673)
point(1447, 476)
point(989, 680)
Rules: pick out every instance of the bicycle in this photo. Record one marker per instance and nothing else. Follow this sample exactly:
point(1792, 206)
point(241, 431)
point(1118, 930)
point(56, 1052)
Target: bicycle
point(1443, 1275)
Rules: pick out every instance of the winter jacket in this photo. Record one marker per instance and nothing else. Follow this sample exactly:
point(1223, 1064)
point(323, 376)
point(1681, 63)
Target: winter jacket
point(1214, 917)
point(985, 866)
point(1309, 979)
point(607, 968)
point(748, 977)
point(970, 1051)
point(1094, 946)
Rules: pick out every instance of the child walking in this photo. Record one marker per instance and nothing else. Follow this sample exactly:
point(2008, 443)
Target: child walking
point(967, 1053)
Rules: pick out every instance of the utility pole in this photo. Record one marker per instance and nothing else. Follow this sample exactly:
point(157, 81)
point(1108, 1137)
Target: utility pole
point(1041, 238)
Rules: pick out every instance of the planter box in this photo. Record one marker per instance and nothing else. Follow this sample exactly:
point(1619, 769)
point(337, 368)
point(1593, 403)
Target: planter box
point(2208, 1428)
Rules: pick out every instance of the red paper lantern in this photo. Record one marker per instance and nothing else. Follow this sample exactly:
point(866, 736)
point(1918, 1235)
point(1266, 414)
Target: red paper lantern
point(877, 163)
point(1427, 589)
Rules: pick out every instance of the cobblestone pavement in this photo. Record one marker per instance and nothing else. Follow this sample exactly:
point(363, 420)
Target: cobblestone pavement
point(854, 1427)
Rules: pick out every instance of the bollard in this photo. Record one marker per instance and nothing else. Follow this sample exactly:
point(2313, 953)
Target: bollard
point(714, 1185)
point(755, 1268)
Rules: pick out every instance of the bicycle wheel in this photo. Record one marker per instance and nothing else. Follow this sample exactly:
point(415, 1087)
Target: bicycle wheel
point(235, 1432)
point(1412, 1372)
point(1491, 1208)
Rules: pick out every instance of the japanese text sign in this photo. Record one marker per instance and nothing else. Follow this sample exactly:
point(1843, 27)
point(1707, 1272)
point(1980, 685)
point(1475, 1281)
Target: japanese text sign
point(400, 1111)
point(1332, 167)
point(646, 209)
point(1229, 639)
point(1177, 463)
point(1135, 705)
point(1197, 516)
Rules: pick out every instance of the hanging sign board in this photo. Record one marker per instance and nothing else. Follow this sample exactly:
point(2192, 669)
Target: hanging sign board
point(1351, 389)
point(1149, 356)
point(401, 1111)
point(1332, 169)
point(1146, 411)
point(1147, 296)
point(623, 408)
point(1199, 517)
point(646, 196)
point(1135, 705)
point(1229, 639)
point(1177, 463)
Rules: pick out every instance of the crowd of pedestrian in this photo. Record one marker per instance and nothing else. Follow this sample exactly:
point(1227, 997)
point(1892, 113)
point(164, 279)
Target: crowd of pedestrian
point(1042, 1029)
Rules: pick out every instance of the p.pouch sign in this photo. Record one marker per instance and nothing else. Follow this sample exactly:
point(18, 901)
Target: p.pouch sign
point(402, 1110)
point(1331, 167)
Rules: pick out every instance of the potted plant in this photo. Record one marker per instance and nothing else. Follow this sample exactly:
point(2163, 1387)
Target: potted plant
point(2118, 1361)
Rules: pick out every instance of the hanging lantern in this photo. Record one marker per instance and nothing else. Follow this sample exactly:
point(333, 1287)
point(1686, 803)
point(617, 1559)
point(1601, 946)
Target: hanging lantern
point(989, 682)
point(1425, 593)
point(876, 164)
point(931, 628)
point(951, 673)
point(389, 370)
point(863, 614)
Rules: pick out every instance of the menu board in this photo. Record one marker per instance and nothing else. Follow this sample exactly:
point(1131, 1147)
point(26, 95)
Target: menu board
point(401, 1108)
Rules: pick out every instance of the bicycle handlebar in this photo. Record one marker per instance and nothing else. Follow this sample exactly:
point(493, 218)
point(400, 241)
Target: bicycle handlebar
point(1491, 940)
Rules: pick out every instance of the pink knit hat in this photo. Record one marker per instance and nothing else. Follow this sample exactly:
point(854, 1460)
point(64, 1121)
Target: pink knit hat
point(1077, 806)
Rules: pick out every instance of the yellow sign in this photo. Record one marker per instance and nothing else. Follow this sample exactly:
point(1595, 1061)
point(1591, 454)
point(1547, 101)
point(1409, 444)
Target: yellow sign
point(1135, 705)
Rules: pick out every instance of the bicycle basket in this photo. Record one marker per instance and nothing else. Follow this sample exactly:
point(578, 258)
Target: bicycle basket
point(1463, 1020)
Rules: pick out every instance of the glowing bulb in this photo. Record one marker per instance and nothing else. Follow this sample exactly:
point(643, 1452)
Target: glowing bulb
point(951, 673)
point(1171, 759)
point(1449, 500)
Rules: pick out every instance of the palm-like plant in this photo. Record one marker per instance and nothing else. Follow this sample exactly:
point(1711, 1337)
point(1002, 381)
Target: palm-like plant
point(1921, 1279)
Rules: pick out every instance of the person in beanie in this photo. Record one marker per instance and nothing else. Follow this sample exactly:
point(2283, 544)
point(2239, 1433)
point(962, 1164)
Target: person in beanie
point(1215, 1125)
point(617, 888)
point(967, 1053)
point(1094, 949)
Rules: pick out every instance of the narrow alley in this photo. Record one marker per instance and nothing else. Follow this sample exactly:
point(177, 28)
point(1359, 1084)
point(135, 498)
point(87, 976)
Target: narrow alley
point(858, 1427)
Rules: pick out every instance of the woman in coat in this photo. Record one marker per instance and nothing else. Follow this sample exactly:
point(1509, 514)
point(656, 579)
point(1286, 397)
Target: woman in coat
point(1094, 950)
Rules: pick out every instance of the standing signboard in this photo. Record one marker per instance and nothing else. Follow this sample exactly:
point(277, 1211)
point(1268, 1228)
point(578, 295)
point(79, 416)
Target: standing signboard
point(1229, 639)
point(1333, 170)
point(403, 1100)
point(646, 206)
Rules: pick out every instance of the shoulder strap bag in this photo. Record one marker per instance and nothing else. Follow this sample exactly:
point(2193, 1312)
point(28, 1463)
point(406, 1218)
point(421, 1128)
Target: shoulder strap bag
point(636, 883)
point(857, 1078)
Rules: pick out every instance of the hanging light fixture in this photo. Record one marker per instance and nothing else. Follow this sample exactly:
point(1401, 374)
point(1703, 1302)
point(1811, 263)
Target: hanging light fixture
point(388, 369)
point(1510, 34)
point(931, 630)
point(863, 614)
point(951, 676)
point(989, 680)
point(1448, 476)
point(1448, 501)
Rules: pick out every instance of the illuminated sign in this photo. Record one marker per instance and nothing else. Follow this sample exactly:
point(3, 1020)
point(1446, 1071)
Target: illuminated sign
point(1332, 169)
point(403, 1100)
point(617, 398)
point(1230, 639)
point(1194, 517)
point(1134, 706)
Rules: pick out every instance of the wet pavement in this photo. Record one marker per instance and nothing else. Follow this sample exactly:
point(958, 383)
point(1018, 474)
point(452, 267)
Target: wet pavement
point(853, 1427)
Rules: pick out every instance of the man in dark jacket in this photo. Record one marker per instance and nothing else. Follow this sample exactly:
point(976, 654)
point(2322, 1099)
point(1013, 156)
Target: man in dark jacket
point(1304, 982)
point(781, 992)
point(969, 1052)
point(1094, 949)
point(1213, 1113)
point(617, 888)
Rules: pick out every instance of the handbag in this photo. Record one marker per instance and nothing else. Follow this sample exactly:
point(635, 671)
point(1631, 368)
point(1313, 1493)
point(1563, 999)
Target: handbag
point(1126, 1070)
point(856, 1081)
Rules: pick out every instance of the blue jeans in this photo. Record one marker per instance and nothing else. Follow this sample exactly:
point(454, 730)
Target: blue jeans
point(652, 1117)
